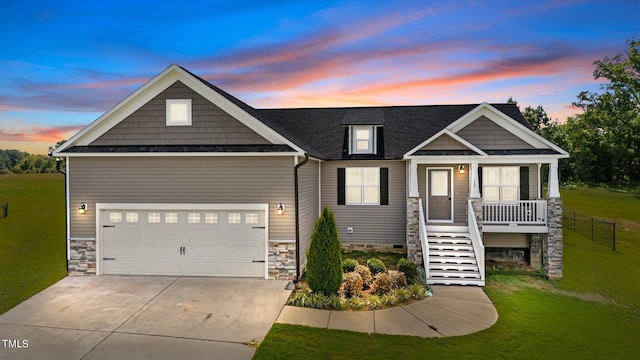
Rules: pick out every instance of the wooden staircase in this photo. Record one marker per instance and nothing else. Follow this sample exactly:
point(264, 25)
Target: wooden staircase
point(452, 260)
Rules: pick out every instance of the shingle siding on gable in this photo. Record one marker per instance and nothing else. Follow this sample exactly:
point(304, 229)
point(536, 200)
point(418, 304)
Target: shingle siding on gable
point(487, 135)
point(444, 142)
point(210, 124)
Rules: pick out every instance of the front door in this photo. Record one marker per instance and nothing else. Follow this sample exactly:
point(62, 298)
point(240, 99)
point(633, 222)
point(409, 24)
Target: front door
point(439, 194)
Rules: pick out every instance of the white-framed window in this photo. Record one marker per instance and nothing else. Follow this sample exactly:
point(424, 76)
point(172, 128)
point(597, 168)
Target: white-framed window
point(362, 186)
point(115, 217)
point(363, 139)
point(193, 218)
point(211, 218)
point(234, 218)
point(131, 218)
point(170, 218)
point(153, 217)
point(178, 112)
point(251, 218)
point(501, 183)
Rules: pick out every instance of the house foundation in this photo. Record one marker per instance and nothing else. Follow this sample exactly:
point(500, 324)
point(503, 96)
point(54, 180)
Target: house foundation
point(282, 260)
point(414, 248)
point(82, 257)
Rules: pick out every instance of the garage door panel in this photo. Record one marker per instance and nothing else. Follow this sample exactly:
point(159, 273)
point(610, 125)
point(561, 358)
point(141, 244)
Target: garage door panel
point(170, 242)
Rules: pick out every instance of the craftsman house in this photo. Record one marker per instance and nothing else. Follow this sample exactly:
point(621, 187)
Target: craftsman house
point(182, 178)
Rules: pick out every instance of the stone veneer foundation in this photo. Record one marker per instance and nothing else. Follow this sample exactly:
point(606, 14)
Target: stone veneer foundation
point(553, 245)
point(414, 248)
point(282, 260)
point(82, 257)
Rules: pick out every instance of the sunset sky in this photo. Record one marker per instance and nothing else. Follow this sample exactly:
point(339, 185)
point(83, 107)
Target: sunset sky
point(64, 63)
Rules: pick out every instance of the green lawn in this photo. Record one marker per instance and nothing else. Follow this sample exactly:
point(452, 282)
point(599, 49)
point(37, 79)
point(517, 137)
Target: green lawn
point(592, 313)
point(32, 237)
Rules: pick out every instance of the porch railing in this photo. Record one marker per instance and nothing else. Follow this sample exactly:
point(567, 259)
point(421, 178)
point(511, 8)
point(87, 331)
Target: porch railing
point(476, 239)
point(524, 212)
point(424, 242)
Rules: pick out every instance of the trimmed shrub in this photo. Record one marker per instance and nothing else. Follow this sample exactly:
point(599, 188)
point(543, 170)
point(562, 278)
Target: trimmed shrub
point(399, 279)
point(383, 283)
point(324, 257)
point(365, 274)
point(349, 265)
point(409, 269)
point(376, 266)
point(352, 285)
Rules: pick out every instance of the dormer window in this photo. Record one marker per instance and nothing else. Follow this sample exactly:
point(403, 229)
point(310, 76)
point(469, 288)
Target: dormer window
point(363, 139)
point(178, 112)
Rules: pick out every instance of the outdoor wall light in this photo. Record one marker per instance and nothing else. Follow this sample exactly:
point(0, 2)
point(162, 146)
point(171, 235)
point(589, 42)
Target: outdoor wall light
point(280, 209)
point(83, 208)
point(461, 169)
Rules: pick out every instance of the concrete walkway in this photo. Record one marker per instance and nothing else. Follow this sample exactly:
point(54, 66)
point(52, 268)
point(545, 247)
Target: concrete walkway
point(451, 311)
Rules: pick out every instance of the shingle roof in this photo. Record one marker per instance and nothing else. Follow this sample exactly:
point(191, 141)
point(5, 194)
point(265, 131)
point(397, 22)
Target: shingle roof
point(320, 131)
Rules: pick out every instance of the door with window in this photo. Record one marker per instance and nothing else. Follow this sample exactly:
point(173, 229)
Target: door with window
point(440, 194)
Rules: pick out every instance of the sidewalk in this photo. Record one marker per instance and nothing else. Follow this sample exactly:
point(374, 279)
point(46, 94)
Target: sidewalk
point(451, 311)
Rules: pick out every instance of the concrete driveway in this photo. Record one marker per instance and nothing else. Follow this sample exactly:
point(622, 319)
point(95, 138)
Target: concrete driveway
point(143, 317)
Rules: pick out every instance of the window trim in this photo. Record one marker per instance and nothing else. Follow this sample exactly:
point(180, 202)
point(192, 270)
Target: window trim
point(172, 122)
point(371, 140)
point(362, 186)
point(500, 186)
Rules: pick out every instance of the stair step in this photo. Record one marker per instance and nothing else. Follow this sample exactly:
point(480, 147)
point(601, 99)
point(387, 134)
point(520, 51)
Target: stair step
point(452, 260)
point(448, 235)
point(449, 281)
point(451, 253)
point(453, 247)
point(448, 240)
point(453, 267)
point(454, 274)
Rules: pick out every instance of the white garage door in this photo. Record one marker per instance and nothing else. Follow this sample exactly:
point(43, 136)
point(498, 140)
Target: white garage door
point(183, 242)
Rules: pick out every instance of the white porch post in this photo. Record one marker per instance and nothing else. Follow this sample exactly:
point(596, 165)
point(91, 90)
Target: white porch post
point(413, 179)
point(475, 184)
point(554, 187)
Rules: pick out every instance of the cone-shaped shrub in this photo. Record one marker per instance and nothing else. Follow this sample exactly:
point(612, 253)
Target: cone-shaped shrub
point(324, 257)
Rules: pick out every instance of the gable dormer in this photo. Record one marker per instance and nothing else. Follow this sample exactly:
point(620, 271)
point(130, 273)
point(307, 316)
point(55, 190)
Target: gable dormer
point(363, 135)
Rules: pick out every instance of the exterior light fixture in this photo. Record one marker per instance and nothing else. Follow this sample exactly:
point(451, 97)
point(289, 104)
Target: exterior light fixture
point(461, 169)
point(83, 208)
point(280, 208)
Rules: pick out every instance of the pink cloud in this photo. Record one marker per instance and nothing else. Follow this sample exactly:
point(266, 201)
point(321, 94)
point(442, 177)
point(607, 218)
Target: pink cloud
point(40, 134)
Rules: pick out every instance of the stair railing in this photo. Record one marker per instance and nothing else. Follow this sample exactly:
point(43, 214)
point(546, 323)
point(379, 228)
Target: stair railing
point(476, 239)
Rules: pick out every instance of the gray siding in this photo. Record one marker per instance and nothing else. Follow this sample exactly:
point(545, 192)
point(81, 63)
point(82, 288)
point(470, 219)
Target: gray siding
point(460, 190)
point(372, 224)
point(210, 125)
point(487, 135)
point(200, 180)
point(445, 142)
point(308, 183)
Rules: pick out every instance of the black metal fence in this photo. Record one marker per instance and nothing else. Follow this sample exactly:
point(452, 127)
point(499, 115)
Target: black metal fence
point(598, 230)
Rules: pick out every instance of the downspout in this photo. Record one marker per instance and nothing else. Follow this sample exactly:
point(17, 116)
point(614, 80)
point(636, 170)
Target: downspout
point(297, 209)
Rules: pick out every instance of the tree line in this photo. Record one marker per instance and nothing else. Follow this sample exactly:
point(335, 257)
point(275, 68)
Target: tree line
point(604, 140)
point(21, 162)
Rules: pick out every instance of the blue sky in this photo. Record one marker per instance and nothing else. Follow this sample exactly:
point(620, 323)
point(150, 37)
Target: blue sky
point(64, 63)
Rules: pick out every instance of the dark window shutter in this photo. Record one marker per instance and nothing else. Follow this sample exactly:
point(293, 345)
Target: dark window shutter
point(379, 141)
point(524, 183)
point(480, 179)
point(341, 189)
point(384, 186)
